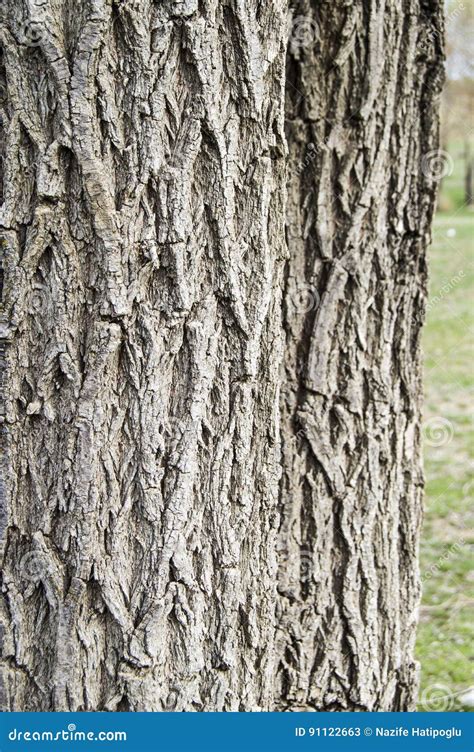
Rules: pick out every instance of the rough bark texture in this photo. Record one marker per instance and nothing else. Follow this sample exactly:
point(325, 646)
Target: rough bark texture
point(361, 108)
point(171, 538)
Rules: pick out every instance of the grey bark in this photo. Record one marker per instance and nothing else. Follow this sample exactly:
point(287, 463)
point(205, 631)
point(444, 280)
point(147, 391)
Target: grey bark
point(210, 479)
point(361, 108)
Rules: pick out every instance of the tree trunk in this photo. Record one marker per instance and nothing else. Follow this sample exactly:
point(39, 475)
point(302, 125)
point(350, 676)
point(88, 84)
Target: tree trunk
point(361, 109)
point(468, 174)
point(177, 535)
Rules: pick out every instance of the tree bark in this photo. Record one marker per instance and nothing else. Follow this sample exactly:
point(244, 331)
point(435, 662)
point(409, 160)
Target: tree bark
point(362, 132)
point(210, 478)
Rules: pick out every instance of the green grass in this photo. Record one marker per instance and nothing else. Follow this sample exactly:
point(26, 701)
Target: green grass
point(445, 635)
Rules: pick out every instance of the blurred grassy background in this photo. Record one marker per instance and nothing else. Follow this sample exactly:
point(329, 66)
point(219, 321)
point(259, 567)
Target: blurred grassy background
point(446, 635)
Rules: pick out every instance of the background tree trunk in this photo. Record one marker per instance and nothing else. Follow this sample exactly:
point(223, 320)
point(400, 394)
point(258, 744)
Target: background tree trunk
point(362, 86)
point(154, 554)
point(468, 174)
